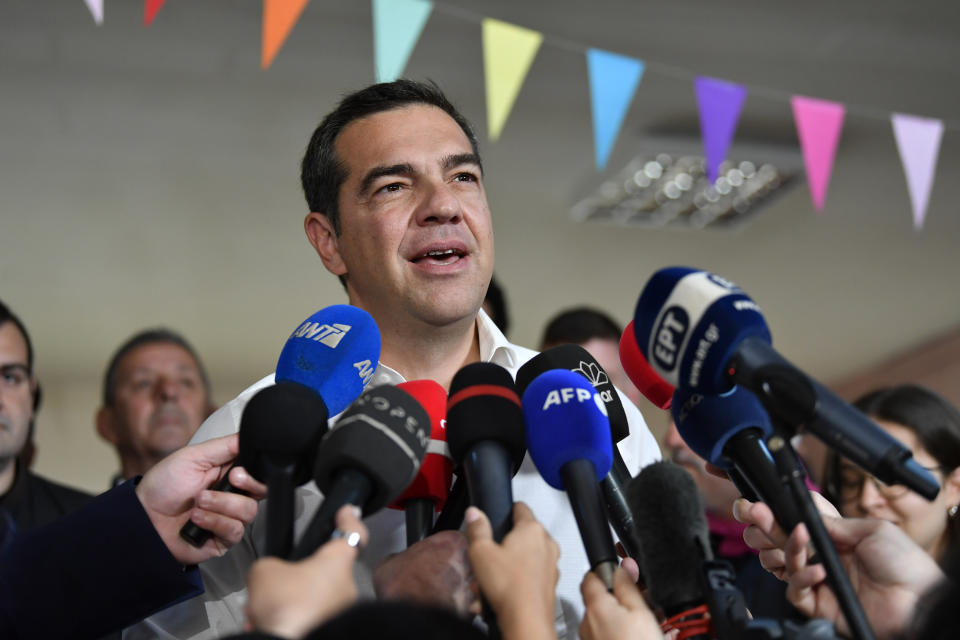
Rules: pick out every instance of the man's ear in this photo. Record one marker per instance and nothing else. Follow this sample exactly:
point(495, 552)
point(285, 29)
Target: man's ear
point(104, 421)
point(324, 239)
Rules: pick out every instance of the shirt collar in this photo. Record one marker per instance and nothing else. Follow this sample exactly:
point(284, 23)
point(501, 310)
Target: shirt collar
point(494, 347)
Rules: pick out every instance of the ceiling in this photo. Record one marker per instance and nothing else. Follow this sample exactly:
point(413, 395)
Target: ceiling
point(150, 175)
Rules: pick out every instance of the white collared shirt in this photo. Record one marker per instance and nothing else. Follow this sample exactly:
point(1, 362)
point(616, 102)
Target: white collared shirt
point(220, 609)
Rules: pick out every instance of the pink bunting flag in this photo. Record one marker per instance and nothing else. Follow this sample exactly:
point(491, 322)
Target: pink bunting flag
point(918, 141)
point(150, 9)
point(819, 123)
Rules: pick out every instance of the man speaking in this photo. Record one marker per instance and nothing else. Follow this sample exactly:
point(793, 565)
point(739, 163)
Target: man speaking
point(398, 212)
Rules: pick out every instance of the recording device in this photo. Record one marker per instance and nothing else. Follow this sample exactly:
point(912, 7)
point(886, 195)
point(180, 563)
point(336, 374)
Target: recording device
point(696, 592)
point(333, 353)
point(486, 437)
point(573, 357)
point(729, 431)
point(367, 459)
point(428, 491)
point(568, 437)
point(703, 334)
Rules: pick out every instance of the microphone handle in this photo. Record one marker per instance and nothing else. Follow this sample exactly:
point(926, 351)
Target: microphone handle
point(580, 482)
point(754, 462)
point(350, 487)
point(419, 514)
point(742, 485)
point(194, 533)
point(489, 473)
point(280, 500)
point(451, 516)
point(618, 510)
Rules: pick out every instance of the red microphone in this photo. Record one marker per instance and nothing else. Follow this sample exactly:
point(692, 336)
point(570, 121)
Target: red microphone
point(428, 491)
point(651, 385)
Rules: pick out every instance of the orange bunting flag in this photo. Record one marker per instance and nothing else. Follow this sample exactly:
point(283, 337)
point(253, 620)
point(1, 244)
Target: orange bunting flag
point(279, 17)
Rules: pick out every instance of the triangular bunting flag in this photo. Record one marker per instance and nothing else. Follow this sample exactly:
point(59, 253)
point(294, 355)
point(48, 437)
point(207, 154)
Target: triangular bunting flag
point(397, 25)
point(279, 18)
point(96, 9)
point(150, 9)
point(918, 140)
point(508, 52)
point(719, 102)
point(819, 123)
point(613, 81)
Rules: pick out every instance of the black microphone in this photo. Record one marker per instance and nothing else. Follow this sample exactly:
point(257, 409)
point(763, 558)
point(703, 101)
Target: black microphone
point(568, 435)
point(280, 428)
point(367, 459)
point(575, 358)
point(675, 542)
point(486, 437)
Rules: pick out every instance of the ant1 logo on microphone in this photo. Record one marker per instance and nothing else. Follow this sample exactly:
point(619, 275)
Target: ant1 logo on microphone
point(365, 370)
point(597, 377)
point(322, 333)
point(668, 337)
point(720, 281)
point(568, 394)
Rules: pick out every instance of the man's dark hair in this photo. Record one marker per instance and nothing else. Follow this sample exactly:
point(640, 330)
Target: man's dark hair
point(578, 325)
point(148, 336)
point(322, 173)
point(9, 316)
point(497, 302)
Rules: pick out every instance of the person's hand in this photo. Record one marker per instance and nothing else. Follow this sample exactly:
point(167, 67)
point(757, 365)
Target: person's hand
point(289, 599)
point(766, 536)
point(623, 614)
point(175, 490)
point(518, 577)
point(888, 570)
point(434, 571)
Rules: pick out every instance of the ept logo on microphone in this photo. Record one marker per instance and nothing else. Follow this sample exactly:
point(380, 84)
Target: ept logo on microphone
point(563, 395)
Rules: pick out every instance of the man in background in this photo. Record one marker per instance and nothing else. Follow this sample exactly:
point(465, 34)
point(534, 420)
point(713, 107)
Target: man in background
point(29, 499)
point(155, 395)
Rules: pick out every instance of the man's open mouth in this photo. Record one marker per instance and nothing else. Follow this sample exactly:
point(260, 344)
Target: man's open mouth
point(440, 256)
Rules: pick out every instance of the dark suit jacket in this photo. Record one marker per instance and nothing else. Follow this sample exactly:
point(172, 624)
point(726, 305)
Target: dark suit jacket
point(96, 570)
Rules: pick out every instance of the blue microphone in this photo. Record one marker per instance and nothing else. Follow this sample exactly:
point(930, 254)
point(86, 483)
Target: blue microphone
point(729, 431)
point(702, 333)
point(334, 352)
point(568, 437)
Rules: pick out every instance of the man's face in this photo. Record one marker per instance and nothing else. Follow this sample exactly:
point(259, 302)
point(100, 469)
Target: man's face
point(159, 402)
point(16, 392)
point(416, 242)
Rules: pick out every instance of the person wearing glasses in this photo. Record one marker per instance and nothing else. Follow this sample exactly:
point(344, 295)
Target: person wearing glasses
point(30, 500)
point(930, 427)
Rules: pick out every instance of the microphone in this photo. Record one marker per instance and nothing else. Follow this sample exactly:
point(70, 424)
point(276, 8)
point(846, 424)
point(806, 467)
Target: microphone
point(568, 437)
point(702, 333)
point(428, 491)
point(486, 437)
point(333, 353)
point(644, 378)
point(675, 541)
point(730, 431)
point(367, 459)
point(573, 357)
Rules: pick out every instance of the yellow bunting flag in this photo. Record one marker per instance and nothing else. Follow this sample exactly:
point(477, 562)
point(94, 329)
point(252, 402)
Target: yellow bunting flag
point(279, 17)
point(508, 52)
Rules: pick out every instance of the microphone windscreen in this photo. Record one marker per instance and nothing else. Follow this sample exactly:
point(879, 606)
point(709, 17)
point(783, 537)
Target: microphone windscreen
point(674, 538)
point(688, 324)
point(433, 479)
point(334, 352)
point(644, 378)
point(384, 434)
point(566, 420)
point(484, 406)
point(284, 421)
point(574, 357)
point(706, 423)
